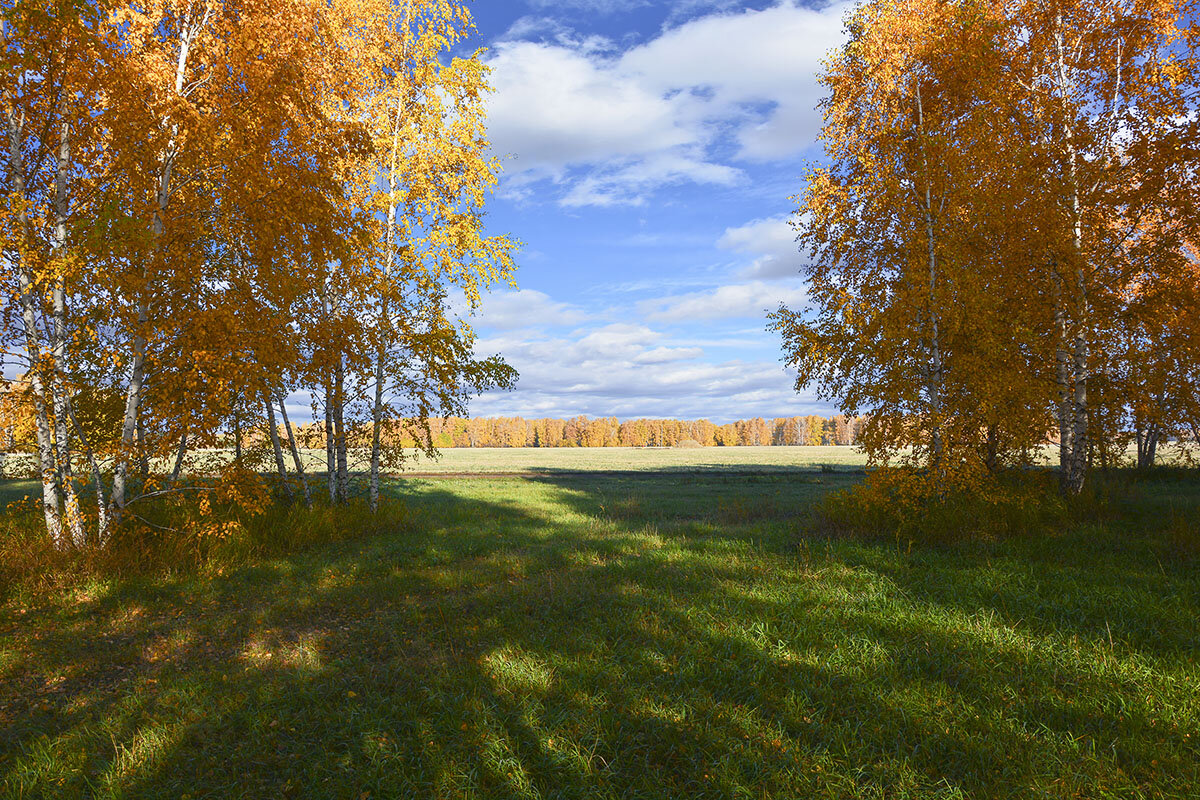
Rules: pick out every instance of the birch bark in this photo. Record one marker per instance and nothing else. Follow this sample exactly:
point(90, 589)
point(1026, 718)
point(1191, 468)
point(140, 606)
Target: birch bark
point(189, 29)
point(280, 466)
point(60, 398)
point(51, 504)
point(287, 427)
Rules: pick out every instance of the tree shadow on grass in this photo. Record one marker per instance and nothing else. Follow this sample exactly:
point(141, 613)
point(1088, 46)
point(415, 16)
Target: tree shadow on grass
point(498, 649)
point(1111, 582)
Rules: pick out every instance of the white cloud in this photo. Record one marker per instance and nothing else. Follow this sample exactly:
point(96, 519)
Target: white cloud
point(621, 370)
point(524, 308)
point(752, 299)
point(772, 241)
point(591, 6)
point(769, 57)
point(629, 184)
point(557, 106)
point(654, 114)
point(665, 355)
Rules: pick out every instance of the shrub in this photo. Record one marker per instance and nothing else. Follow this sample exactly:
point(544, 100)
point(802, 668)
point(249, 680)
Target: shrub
point(223, 528)
point(903, 504)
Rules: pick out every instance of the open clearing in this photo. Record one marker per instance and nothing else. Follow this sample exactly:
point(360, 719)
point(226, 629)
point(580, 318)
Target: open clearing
point(639, 635)
point(637, 459)
point(573, 459)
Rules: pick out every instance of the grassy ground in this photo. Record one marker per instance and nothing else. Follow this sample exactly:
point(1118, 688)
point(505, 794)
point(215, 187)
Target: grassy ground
point(624, 636)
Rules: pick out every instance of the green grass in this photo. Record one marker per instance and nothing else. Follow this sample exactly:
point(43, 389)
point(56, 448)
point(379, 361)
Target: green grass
point(655, 635)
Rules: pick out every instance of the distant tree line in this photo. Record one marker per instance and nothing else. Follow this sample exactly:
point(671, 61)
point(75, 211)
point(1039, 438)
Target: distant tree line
point(582, 431)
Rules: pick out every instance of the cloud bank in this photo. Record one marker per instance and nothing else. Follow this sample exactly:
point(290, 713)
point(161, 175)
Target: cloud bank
point(607, 125)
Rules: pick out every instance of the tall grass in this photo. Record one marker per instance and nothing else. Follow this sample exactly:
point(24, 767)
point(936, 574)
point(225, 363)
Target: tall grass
point(1016, 504)
point(162, 540)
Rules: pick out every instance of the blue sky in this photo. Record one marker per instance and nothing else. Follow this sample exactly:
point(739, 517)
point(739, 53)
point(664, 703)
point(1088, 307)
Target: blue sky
point(650, 149)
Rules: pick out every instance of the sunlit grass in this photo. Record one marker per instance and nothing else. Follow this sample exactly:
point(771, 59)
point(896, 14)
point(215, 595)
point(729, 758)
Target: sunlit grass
point(622, 636)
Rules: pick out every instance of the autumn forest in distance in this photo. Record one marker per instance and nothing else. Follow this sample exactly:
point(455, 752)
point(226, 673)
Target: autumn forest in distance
point(597, 399)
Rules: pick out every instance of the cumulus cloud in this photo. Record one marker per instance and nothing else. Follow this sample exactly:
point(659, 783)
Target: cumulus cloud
point(622, 370)
point(591, 6)
point(751, 299)
point(767, 57)
point(613, 125)
point(772, 241)
point(524, 308)
point(629, 184)
point(557, 106)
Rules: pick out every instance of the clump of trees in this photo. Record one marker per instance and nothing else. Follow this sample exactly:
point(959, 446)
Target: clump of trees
point(211, 204)
point(1002, 240)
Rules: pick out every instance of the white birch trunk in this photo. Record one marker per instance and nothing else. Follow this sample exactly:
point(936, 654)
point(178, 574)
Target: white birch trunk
point(134, 392)
point(330, 447)
point(388, 263)
point(60, 397)
point(343, 461)
point(280, 466)
point(89, 454)
point(291, 437)
point(933, 375)
point(384, 329)
point(1073, 352)
point(180, 454)
point(1062, 359)
point(15, 124)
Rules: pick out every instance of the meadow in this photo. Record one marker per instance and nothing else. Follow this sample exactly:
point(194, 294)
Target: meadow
point(550, 459)
point(581, 631)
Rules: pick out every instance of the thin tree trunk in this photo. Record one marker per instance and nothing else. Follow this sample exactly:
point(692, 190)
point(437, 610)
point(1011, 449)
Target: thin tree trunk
point(143, 455)
point(291, 437)
point(1079, 401)
point(1062, 359)
point(384, 322)
point(991, 456)
point(101, 506)
point(45, 443)
point(58, 386)
point(273, 429)
point(1147, 443)
point(15, 124)
point(343, 465)
point(177, 470)
point(933, 379)
point(330, 446)
point(237, 435)
point(133, 395)
point(1073, 355)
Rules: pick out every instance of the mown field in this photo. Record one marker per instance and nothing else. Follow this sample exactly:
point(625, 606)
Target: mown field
point(647, 634)
point(549, 459)
point(640, 459)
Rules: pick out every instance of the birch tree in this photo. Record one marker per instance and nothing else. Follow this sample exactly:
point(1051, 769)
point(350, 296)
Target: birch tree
point(1110, 90)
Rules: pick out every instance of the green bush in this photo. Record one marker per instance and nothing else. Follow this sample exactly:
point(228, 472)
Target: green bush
point(1016, 504)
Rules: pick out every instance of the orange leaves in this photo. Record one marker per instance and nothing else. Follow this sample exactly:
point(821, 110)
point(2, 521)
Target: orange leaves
point(1004, 181)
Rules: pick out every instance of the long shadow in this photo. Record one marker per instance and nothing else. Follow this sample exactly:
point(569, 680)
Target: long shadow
point(1111, 583)
point(492, 650)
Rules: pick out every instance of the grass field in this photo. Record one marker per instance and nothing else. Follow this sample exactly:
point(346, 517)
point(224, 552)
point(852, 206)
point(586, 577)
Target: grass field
point(467, 460)
point(639, 459)
point(624, 635)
